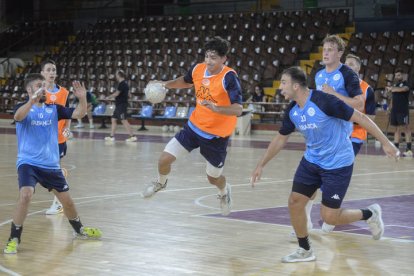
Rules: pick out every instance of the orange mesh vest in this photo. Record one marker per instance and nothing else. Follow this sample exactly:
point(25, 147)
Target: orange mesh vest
point(60, 97)
point(211, 88)
point(360, 132)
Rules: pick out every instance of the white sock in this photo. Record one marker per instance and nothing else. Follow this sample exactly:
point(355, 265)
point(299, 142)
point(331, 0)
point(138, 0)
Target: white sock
point(56, 201)
point(162, 178)
point(224, 190)
point(308, 209)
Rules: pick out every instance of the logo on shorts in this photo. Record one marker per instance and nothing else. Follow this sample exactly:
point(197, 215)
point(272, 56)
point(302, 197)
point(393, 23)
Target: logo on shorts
point(220, 165)
point(336, 196)
point(65, 187)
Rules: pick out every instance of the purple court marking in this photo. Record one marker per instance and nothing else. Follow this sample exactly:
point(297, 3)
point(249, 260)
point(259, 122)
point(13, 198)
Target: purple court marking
point(370, 150)
point(397, 214)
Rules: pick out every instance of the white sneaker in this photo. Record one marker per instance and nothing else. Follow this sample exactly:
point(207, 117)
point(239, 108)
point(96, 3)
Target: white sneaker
point(109, 138)
point(91, 126)
point(79, 126)
point(408, 153)
point(376, 225)
point(327, 228)
point(55, 209)
point(152, 188)
point(131, 139)
point(300, 255)
point(225, 201)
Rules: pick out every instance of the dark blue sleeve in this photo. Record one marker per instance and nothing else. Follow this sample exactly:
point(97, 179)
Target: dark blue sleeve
point(287, 125)
point(332, 106)
point(370, 103)
point(17, 106)
point(233, 87)
point(64, 112)
point(188, 78)
point(351, 81)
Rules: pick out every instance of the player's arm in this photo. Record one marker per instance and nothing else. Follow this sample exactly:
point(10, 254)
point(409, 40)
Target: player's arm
point(113, 95)
point(399, 89)
point(356, 102)
point(273, 149)
point(177, 83)
point(363, 120)
point(21, 111)
point(80, 92)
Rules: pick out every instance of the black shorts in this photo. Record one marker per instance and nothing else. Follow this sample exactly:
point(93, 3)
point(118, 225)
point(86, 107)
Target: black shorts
point(399, 119)
point(51, 179)
point(62, 149)
point(120, 111)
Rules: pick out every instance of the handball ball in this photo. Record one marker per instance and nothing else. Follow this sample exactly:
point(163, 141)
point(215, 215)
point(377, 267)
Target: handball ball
point(155, 92)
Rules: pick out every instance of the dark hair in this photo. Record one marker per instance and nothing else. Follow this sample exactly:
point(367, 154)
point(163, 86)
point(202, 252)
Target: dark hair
point(399, 70)
point(219, 45)
point(32, 77)
point(336, 40)
point(47, 61)
point(121, 74)
point(354, 57)
point(296, 74)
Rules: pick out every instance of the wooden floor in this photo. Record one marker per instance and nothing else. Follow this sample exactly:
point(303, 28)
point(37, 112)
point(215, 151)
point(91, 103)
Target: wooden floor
point(178, 232)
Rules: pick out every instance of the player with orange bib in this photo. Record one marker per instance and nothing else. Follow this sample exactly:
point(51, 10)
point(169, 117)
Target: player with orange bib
point(214, 119)
point(56, 94)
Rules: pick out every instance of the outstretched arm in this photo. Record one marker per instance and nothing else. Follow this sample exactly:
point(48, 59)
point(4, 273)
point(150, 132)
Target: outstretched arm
point(272, 150)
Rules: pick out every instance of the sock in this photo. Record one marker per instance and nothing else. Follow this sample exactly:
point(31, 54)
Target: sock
point(16, 231)
point(304, 243)
point(162, 178)
point(397, 145)
point(408, 146)
point(56, 201)
point(224, 190)
point(76, 224)
point(366, 214)
point(308, 209)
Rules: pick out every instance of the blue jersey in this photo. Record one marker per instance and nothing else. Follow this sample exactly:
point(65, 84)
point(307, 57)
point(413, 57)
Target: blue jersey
point(321, 122)
point(37, 135)
point(343, 80)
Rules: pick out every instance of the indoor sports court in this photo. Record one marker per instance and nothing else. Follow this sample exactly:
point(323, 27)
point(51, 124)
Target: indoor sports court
point(180, 230)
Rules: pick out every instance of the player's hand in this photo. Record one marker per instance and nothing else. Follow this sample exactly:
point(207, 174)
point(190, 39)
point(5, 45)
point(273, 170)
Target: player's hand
point(79, 89)
point(256, 175)
point(391, 150)
point(328, 89)
point(210, 105)
point(66, 132)
point(39, 93)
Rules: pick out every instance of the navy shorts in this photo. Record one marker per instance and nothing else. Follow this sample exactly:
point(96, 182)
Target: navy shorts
point(214, 150)
point(29, 175)
point(357, 147)
point(399, 119)
point(62, 149)
point(333, 183)
point(120, 111)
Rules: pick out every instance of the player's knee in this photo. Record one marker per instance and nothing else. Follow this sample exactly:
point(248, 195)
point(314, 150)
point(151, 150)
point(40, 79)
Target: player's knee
point(26, 195)
point(329, 218)
point(166, 159)
point(213, 180)
point(296, 202)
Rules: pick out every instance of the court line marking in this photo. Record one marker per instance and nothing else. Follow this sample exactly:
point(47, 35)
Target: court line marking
point(8, 271)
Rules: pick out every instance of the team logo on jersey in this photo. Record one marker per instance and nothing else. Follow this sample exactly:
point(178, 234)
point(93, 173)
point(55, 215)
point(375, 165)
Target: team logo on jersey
point(311, 111)
point(336, 77)
point(205, 82)
point(49, 110)
point(53, 98)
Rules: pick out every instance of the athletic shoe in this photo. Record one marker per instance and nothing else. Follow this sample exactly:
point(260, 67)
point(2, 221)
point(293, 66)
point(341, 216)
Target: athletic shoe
point(54, 209)
point(225, 201)
point(79, 126)
point(408, 153)
point(376, 225)
point(11, 246)
point(300, 255)
point(327, 228)
point(89, 233)
point(109, 138)
point(293, 233)
point(152, 188)
point(91, 126)
point(131, 139)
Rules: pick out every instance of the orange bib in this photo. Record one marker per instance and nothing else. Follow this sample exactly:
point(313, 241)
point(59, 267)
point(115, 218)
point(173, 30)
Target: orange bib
point(360, 132)
point(60, 97)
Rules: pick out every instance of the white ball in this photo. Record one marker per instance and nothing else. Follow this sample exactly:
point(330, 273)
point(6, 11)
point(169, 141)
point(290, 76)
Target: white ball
point(164, 128)
point(155, 92)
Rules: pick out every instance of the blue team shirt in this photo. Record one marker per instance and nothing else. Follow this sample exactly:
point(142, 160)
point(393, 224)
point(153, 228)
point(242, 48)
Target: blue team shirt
point(232, 85)
point(343, 80)
point(321, 122)
point(37, 135)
